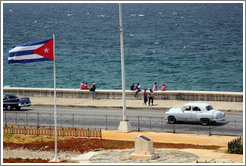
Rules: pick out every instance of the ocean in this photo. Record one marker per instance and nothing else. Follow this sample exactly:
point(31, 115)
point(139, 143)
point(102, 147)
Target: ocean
point(186, 46)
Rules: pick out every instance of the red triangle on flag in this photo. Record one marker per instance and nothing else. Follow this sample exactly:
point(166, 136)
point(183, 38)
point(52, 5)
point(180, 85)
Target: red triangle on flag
point(46, 50)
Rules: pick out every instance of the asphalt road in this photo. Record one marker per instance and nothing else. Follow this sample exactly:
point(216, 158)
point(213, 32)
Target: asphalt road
point(140, 119)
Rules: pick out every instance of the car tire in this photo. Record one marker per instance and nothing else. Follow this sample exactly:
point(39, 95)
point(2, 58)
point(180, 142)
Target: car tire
point(205, 121)
point(171, 120)
point(18, 108)
point(9, 107)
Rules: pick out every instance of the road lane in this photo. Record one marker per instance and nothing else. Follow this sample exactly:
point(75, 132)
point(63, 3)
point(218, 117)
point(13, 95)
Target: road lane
point(108, 118)
point(230, 116)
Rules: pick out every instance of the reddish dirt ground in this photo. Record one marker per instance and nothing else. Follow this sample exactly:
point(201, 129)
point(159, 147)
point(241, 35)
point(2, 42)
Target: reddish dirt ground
point(84, 145)
point(19, 160)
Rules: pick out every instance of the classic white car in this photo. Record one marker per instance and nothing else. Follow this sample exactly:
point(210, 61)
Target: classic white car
point(202, 112)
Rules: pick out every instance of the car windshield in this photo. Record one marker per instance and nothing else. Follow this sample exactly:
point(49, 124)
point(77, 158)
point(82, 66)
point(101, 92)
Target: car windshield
point(209, 108)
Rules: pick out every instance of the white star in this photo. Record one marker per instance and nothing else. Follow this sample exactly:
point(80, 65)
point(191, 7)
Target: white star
point(46, 50)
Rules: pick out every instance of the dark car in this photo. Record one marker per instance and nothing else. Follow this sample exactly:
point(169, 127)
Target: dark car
point(11, 101)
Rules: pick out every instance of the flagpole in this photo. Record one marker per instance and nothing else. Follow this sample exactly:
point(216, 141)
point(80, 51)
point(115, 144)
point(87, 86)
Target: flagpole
point(124, 124)
point(122, 66)
point(55, 159)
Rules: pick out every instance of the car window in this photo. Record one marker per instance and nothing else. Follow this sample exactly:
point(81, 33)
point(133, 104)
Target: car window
point(196, 109)
point(209, 107)
point(12, 97)
point(187, 108)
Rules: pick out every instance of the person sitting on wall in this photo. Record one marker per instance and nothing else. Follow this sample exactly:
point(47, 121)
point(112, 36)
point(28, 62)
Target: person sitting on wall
point(132, 87)
point(163, 88)
point(86, 86)
point(155, 87)
point(138, 89)
point(82, 86)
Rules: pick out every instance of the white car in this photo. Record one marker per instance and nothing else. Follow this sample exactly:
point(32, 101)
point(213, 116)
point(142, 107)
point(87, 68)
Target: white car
point(202, 112)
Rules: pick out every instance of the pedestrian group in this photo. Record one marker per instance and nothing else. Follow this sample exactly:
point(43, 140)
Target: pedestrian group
point(148, 96)
point(84, 86)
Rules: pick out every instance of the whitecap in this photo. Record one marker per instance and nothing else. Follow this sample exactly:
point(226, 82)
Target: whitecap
point(87, 12)
point(175, 13)
point(47, 26)
point(10, 10)
point(69, 14)
point(141, 15)
point(133, 15)
point(101, 15)
point(131, 35)
point(35, 21)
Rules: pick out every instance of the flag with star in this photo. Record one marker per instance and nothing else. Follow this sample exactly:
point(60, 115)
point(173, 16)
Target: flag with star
point(32, 52)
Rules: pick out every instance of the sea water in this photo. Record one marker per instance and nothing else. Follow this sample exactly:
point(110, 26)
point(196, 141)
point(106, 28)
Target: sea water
point(185, 46)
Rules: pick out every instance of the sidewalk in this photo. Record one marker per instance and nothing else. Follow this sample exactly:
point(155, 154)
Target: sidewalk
point(133, 104)
point(219, 155)
point(170, 155)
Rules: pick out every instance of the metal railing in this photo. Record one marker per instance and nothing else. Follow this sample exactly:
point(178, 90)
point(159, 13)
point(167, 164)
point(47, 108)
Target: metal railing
point(111, 122)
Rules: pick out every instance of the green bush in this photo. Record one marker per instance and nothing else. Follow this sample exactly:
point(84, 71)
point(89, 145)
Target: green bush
point(236, 146)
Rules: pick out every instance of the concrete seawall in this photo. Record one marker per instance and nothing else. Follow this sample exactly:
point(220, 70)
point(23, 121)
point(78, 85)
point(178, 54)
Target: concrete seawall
point(117, 94)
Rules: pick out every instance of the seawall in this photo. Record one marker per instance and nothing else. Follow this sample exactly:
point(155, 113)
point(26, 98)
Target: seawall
point(117, 94)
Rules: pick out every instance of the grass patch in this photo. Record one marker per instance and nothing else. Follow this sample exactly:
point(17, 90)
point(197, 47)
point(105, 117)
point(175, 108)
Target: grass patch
point(22, 139)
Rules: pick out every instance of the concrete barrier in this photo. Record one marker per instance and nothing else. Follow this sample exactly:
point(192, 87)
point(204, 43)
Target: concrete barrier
point(117, 94)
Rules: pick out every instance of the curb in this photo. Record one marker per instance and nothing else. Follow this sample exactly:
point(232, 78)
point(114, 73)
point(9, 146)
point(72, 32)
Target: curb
point(129, 107)
point(93, 106)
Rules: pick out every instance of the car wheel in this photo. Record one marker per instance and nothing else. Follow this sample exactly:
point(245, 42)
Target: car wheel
point(171, 120)
point(9, 107)
point(18, 108)
point(205, 122)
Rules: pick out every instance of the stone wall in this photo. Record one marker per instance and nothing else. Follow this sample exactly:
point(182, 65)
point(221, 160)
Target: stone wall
point(117, 94)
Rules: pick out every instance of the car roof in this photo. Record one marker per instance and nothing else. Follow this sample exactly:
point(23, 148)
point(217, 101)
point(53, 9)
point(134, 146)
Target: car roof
point(8, 94)
point(197, 104)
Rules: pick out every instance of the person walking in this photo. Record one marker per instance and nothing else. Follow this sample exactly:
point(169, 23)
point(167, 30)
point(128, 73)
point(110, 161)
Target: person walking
point(93, 90)
point(150, 96)
point(155, 87)
point(145, 94)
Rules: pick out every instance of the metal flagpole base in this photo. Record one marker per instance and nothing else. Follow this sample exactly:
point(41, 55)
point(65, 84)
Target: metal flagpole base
point(54, 160)
point(125, 126)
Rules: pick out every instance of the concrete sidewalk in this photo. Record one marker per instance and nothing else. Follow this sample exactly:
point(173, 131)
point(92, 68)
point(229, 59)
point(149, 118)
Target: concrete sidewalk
point(172, 155)
point(133, 104)
point(210, 156)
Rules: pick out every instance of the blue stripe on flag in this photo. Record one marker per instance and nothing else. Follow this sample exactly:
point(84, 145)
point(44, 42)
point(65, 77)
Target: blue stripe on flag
point(20, 53)
point(29, 60)
point(26, 49)
point(32, 43)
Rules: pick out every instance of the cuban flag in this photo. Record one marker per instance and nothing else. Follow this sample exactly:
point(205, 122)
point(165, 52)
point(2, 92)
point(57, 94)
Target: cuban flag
point(32, 52)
